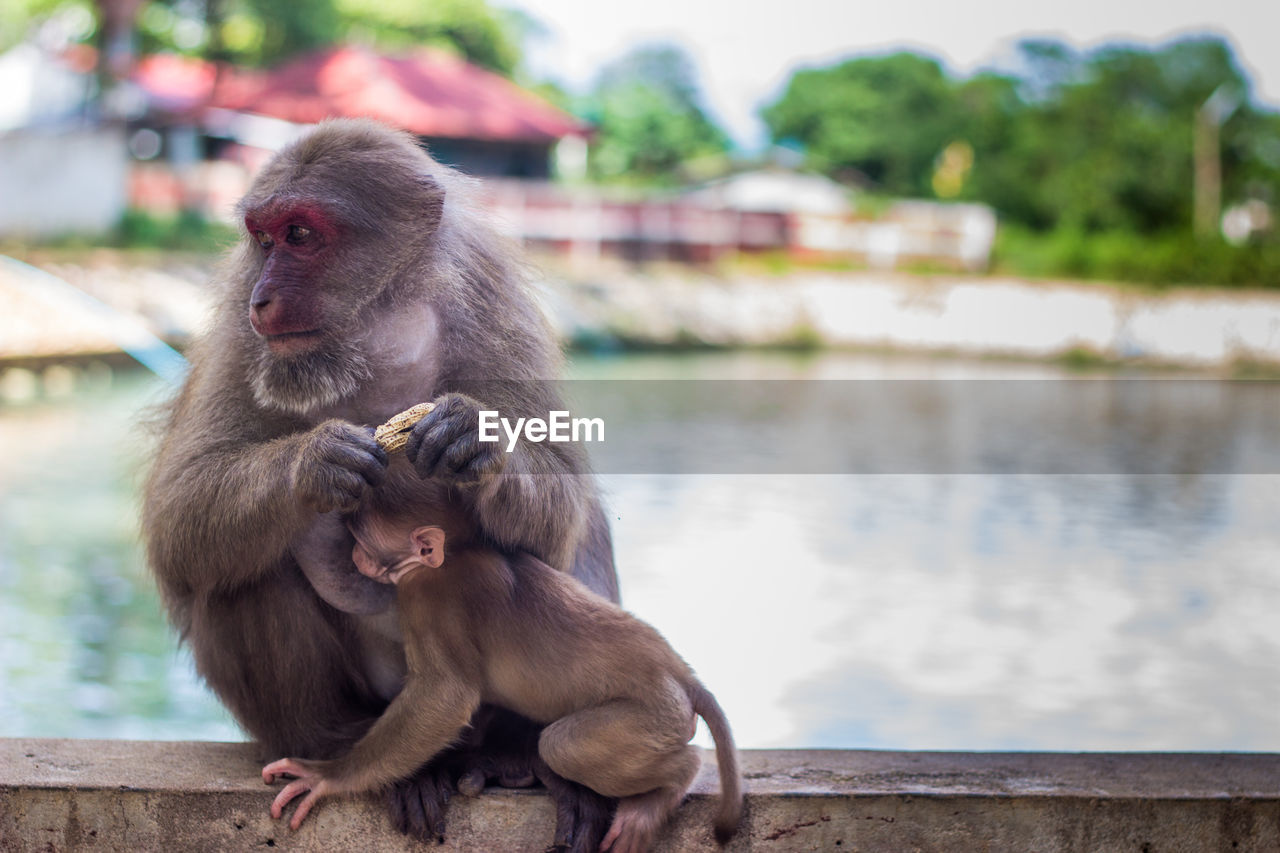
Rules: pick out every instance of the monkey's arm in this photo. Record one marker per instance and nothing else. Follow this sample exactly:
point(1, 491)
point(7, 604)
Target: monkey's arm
point(225, 498)
point(537, 498)
point(323, 552)
point(425, 718)
point(533, 507)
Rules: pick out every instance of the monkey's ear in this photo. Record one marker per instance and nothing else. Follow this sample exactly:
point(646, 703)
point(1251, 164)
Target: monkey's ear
point(428, 542)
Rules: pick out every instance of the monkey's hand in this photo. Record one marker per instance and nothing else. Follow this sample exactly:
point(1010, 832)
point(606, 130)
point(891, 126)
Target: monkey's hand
point(446, 443)
point(334, 464)
point(308, 776)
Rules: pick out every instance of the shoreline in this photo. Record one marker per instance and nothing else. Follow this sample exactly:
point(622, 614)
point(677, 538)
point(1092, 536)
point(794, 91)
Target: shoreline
point(1076, 325)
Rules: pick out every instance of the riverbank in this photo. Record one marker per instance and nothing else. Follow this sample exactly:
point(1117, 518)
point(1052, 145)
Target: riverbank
point(970, 316)
point(1216, 330)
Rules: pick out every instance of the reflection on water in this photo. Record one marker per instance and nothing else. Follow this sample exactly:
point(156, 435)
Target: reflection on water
point(916, 611)
point(84, 650)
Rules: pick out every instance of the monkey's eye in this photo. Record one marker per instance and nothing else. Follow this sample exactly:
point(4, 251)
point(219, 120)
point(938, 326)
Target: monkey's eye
point(298, 234)
point(263, 238)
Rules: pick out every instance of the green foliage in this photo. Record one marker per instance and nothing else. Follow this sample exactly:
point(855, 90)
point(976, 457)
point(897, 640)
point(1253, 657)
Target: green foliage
point(1072, 143)
point(266, 32)
point(1109, 145)
point(20, 19)
point(473, 28)
point(186, 231)
point(1170, 258)
point(139, 229)
point(650, 126)
point(882, 119)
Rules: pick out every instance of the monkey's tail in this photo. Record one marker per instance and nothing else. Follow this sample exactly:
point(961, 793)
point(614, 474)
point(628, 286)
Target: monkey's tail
point(729, 814)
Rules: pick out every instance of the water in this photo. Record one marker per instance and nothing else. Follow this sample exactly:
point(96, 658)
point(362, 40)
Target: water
point(950, 611)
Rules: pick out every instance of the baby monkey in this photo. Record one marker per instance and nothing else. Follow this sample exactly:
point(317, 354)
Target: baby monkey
point(618, 704)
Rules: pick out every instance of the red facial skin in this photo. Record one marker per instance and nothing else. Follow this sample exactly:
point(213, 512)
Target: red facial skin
point(284, 307)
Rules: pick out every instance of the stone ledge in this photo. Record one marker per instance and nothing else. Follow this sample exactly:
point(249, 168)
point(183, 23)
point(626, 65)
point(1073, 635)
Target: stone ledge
point(65, 795)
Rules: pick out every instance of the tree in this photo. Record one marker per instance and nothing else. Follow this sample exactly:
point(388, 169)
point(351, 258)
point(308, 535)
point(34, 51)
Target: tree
point(1107, 146)
point(650, 124)
point(473, 28)
point(20, 19)
point(884, 119)
point(1099, 141)
point(266, 32)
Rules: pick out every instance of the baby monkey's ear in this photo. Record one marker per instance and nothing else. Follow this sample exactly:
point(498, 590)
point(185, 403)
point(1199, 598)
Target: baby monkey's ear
point(428, 543)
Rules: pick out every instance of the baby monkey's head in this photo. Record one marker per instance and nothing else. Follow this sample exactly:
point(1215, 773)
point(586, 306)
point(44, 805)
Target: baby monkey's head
point(403, 525)
point(387, 550)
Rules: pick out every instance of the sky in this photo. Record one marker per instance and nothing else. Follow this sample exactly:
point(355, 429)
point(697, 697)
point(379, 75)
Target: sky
point(746, 51)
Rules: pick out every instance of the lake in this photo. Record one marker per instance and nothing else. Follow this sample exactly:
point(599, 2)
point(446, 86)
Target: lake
point(1105, 578)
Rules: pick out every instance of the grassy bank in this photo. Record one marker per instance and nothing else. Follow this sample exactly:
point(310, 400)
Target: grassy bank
point(1164, 260)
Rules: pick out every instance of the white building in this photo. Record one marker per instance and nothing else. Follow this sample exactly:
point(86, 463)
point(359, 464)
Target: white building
point(59, 173)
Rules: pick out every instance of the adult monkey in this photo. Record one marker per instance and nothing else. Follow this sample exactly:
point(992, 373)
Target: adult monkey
point(363, 284)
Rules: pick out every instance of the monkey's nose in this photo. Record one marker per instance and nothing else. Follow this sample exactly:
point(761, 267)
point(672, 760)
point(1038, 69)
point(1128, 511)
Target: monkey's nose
point(260, 315)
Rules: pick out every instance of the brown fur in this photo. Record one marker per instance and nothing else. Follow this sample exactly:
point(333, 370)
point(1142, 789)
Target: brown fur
point(617, 702)
point(416, 298)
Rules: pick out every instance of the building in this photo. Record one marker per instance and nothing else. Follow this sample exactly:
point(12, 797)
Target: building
point(467, 116)
point(209, 128)
point(61, 170)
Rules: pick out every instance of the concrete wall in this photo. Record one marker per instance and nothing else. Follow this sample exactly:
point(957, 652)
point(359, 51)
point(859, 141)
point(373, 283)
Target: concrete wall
point(974, 316)
point(65, 181)
point(59, 795)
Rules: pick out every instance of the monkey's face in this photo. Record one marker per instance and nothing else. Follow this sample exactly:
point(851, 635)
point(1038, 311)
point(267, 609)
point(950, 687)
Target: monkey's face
point(388, 556)
point(368, 564)
point(340, 228)
point(287, 306)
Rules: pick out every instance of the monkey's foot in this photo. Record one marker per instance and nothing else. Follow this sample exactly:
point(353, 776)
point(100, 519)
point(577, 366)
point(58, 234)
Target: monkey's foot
point(502, 747)
point(308, 779)
point(638, 821)
point(499, 747)
point(582, 815)
point(508, 771)
point(417, 804)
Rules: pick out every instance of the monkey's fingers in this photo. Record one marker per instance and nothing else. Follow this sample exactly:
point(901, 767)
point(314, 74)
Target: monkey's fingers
point(282, 767)
point(454, 416)
point(369, 462)
point(394, 434)
point(288, 793)
point(304, 808)
point(418, 803)
point(582, 815)
point(430, 440)
point(471, 783)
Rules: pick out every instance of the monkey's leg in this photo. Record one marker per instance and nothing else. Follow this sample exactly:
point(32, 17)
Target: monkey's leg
point(417, 804)
point(582, 815)
point(640, 818)
point(249, 642)
point(502, 746)
point(632, 750)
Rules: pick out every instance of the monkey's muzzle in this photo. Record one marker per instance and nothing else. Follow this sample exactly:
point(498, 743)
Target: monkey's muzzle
point(394, 434)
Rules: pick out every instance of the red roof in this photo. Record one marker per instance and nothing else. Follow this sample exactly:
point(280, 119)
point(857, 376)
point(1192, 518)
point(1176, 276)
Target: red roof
point(428, 93)
point(175, 83)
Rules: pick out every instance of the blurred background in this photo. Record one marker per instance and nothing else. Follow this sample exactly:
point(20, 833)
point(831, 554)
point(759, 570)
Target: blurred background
point(998, 195)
